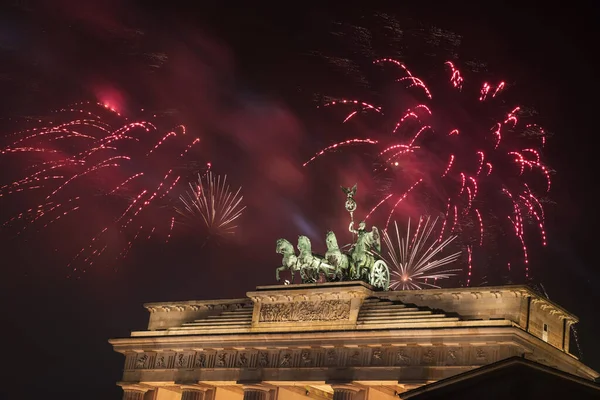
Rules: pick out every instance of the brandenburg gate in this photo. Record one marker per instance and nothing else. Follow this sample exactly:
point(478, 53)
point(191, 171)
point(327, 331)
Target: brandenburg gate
point(342, 340)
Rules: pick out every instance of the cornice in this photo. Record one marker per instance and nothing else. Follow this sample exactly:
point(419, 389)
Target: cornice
point(424, 334)
point(515, 291)
point(197, 305)
point(491, 336)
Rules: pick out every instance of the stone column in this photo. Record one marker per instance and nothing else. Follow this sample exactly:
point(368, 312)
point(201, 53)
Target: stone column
point(344, 392)
point(256, 393)
point(192, 392)
point(133, 392)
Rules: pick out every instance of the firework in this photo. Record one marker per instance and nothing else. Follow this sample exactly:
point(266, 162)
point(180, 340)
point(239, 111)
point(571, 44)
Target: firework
point(89, 160)
point(213, 204)
point(455, 151)
point(413, 258)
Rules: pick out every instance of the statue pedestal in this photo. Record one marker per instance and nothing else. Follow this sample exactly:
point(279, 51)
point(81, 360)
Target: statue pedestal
point(304, 307)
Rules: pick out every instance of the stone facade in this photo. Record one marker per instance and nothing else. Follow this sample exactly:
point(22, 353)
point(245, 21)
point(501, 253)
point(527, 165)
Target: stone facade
point(338, 340)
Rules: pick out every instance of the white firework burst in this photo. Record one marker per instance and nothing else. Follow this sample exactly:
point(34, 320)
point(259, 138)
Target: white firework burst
point(413, 258)
point(213, 203)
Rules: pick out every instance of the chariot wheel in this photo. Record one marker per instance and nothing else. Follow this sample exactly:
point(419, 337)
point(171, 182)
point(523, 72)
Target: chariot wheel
point(380, 275)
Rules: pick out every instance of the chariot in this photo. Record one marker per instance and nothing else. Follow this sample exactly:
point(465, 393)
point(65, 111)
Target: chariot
point(358, 261)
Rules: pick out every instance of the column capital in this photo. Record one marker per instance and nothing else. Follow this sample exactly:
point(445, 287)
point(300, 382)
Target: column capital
point(133, 387)
point(193, 392)
point(193, 386)
point(133, 391)
point(345, 386)
point(344, 391)
point(256, 391)
point(257, 387)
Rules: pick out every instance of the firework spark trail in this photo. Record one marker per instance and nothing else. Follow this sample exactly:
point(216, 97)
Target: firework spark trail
point(170, 229)
point(337, 145)
point(73, 163)
point(126, 181)
point(170, 188)
point(455, 220)
point(149, 200)
point(469, 200)
point(188, 148)
point(480, 220)
point(478, 160)
point(404, 118)
point(539, 130)
point(395, 147)
point(481, 159)
point(455, 78)
point(489, 167)
point(378, 204)
point(413, 258)
point(445, 220)
point(212, 202)
point(400, 200)
point(463, 181)
point(418, 134)
point(130, 243)
point(151, 232)
point(469, 263)
point(450, 162)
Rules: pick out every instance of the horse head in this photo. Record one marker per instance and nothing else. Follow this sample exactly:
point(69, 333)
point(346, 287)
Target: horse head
point(284, 247)
point(331, 241)
point(304, 244)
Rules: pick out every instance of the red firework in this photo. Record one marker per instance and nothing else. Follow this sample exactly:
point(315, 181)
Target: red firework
point(88, 160)
point(456, 146)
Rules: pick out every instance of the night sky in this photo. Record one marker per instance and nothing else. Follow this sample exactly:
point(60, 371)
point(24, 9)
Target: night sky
point(245, 80)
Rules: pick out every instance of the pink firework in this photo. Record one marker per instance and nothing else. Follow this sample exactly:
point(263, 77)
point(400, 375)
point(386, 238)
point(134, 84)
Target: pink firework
point(459, 151)
point(96, 169)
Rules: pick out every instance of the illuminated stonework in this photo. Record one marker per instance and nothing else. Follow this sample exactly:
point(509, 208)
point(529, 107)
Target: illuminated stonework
point(304, 311)
point(314, 340)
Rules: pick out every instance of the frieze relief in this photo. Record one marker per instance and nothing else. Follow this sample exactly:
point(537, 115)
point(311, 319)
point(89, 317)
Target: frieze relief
point(285, 360)
point(181, 360)
point(160, 362)
point(305, 358)
point(428, 356)
point(222, 360)
point(142, 361)
point(201, 360)
point(243, 360)
point(403, 356)
point(263, 359)
point(480, 354)
point(453, 356)
point(305, 311)
point(354, 358)
point(377, 357)
point(331, 358)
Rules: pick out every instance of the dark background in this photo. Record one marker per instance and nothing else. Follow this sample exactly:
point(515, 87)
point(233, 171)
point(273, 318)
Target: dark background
point(55, 329)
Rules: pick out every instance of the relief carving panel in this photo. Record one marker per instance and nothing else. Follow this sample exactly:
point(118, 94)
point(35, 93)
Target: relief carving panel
point(160, 361)
point(377, 357)
point(305, 311)
point(454, 356)
point(402, 357)
point(263, 359)
point(142, 361)
point(201, 361)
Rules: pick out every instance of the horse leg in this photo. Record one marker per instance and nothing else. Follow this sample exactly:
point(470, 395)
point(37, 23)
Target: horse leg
point(282, 268)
